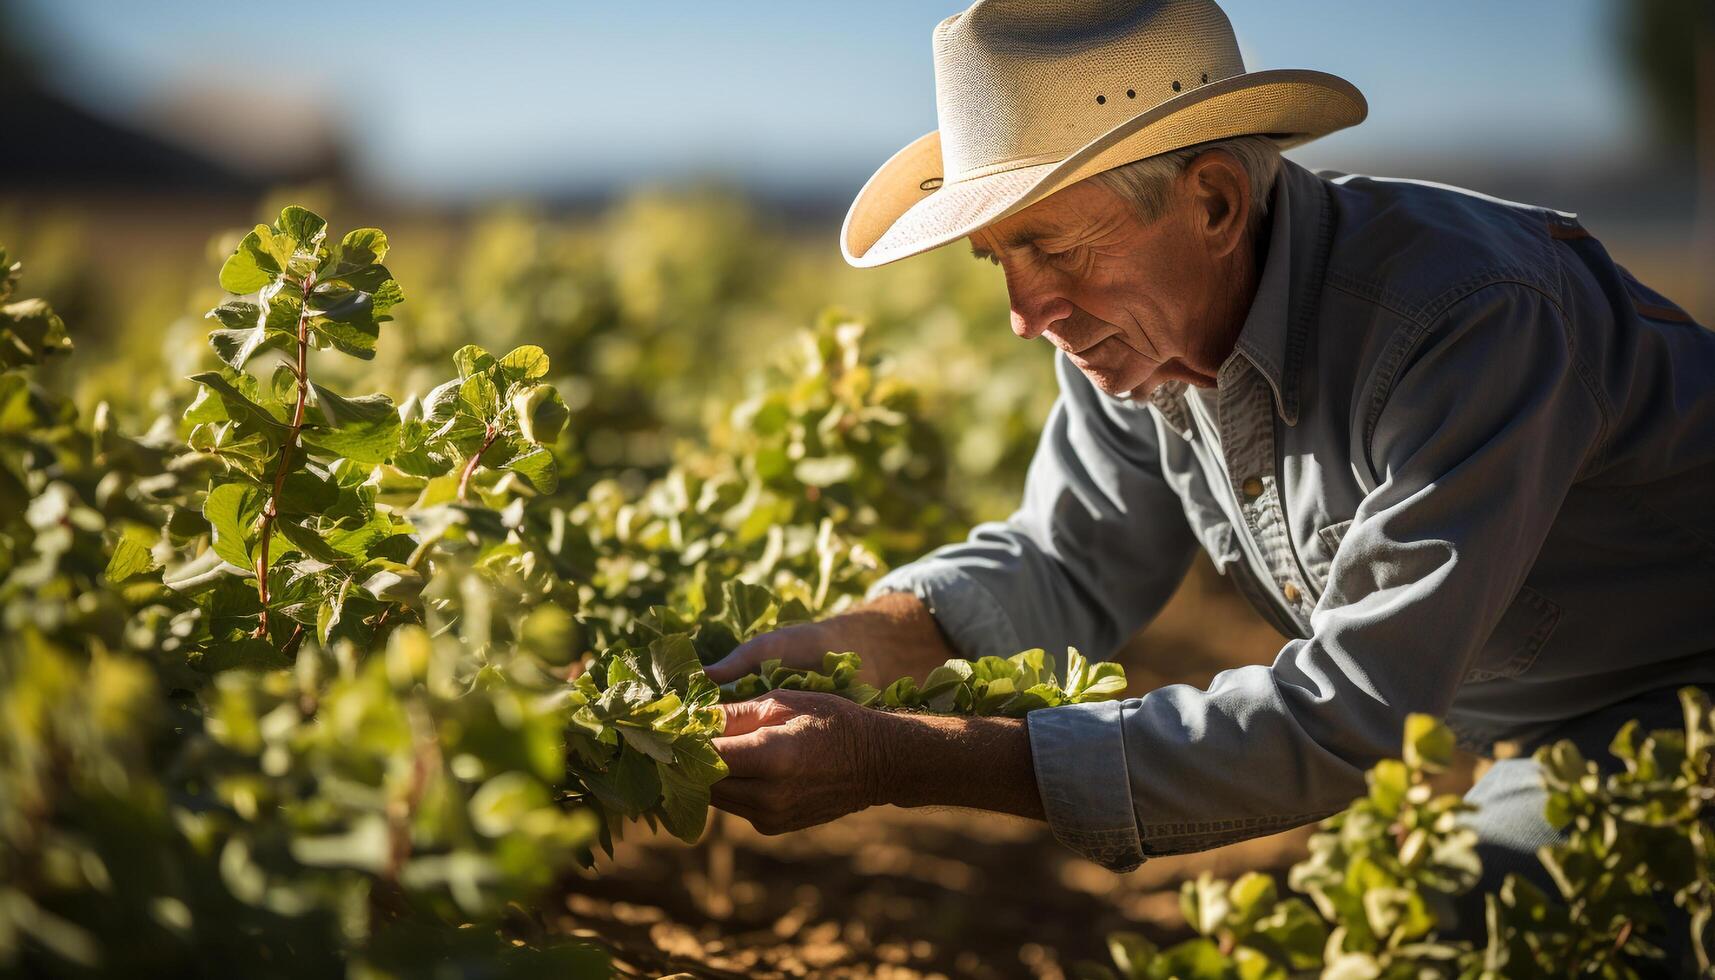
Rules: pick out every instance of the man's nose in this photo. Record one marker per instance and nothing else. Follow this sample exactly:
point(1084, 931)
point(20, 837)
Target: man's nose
point(1031, 318)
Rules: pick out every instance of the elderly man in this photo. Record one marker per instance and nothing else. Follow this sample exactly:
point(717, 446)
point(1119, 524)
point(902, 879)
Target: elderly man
point(1459, 457)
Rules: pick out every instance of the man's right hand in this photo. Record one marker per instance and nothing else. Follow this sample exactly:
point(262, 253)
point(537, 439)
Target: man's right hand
point(894, 633)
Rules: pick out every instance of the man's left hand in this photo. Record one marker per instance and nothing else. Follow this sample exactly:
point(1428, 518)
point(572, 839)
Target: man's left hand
point(797, 759)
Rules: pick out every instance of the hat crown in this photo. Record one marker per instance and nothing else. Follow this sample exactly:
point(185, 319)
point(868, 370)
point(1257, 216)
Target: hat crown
point(1019, 82)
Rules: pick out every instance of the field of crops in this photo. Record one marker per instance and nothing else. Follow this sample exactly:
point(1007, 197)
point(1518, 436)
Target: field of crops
point(356, 586)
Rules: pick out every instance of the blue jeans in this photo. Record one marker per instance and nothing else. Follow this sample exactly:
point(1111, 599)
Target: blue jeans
point(1510, 825)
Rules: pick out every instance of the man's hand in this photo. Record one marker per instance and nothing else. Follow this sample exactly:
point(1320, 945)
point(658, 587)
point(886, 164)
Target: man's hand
point(798, 758)
point(893, 633)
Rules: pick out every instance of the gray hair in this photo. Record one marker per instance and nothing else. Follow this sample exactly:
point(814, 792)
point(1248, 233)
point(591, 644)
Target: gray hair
point(1145, 184)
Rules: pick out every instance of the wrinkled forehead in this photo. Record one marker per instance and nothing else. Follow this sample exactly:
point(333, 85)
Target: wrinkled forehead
point(1066, 215)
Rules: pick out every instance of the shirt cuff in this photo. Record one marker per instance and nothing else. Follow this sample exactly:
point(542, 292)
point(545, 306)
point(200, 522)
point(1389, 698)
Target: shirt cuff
point(1082, 774)
point(975, 622)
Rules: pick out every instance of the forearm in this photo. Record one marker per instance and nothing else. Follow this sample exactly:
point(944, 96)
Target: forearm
point(981, 763)
point(896, 636)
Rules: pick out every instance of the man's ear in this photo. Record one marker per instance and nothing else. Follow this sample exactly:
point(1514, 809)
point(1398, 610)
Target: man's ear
point(1220, 193)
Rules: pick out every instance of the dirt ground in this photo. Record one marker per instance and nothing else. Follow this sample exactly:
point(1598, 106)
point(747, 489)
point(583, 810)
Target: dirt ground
point(913, 893)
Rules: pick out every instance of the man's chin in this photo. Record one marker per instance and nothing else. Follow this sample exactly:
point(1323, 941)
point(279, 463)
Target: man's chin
point(1133, 383)
point(1122, 380)
point(1141, 382)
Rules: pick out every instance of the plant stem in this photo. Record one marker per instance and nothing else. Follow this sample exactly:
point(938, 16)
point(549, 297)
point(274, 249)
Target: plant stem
point(271, 510)
point(492, 433)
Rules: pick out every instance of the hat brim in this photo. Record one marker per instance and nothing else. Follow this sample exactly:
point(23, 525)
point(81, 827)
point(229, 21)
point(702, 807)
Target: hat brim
point(895, 217)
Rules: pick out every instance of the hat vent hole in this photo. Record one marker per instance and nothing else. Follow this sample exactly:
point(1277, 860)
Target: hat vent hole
point(1131, 93)
point(1101, 100)
point(1176, 85)
point(1205, 78)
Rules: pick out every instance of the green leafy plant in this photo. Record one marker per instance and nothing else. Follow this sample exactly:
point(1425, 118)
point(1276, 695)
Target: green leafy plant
point(1382, 876)
point(366, 679)
point(280, 767)
point(1244, 929)
point(1009, 686)
point(322, 682)
point(1632, 836)
point(806, 487)
point(295, 503)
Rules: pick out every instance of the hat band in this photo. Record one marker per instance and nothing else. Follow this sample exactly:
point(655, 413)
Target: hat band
point(989, 169)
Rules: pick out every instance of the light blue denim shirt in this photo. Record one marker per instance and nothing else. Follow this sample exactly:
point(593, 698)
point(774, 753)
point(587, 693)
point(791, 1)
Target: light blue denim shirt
point(1463, 462)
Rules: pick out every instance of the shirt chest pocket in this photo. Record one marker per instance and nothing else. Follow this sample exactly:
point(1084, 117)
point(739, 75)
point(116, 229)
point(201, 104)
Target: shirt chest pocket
point(1518, 638)
point(1513, 647)
point(1318, 553)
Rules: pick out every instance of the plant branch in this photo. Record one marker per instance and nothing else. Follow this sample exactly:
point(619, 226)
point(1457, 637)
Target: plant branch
point(271, 510)
point(470, 466)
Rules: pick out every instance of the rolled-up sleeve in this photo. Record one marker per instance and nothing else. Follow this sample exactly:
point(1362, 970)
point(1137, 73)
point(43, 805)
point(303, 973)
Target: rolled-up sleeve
point(1472, 451)
point(1095, 549)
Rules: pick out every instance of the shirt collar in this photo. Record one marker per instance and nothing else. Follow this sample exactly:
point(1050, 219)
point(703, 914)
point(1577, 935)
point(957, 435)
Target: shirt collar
point(1276, 328)
point(1288, 293)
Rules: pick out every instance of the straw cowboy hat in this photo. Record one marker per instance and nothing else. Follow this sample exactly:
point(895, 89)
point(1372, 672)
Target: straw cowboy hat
point(1035, 95)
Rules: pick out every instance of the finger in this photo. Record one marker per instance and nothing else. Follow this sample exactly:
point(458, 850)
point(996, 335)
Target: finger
point(745, 659)
point(744, 717)
point(759, 754)
point(755, 801)
point(734, 803)
point(795, 646)
point(757, 819)
point(733, 795)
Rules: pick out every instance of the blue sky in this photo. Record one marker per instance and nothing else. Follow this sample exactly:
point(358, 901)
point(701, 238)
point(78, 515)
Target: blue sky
point(454, 99)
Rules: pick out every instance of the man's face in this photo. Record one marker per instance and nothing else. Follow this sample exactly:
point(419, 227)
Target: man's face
point(1132, 305)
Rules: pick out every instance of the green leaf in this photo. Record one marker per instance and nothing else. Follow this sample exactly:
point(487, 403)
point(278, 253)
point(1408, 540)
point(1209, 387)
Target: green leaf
point(538, 469)
point(304, 492)
point(364, 430)
point(245, 331)
point(1389, 779)
point(685, 788)
point(392, 581)
point(367, 846)
point(1296, 930)
point(825, 471)
point(255, 263)
point(1252, 896)
point(472, 360)
point(631, 784)
point(525, 363)
point(747, 609)
point(311, 543)
point(232, 510)
point(29, 331)
point(356, 336)
point(306, 227)
point(441, 403)
point(541, 414)
point(480, 397)
point(233, 404)
point(1132, 953)
point(130, 559)
point(502, 803)
point(248, 653)
point(1428, 743)
point(362, 246)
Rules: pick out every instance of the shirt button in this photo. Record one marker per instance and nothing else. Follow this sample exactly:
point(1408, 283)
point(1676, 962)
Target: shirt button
point(1290, 591)
point(1252, 487)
